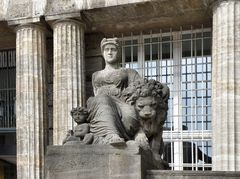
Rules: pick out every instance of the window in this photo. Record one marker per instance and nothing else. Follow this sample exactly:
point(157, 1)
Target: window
point(182, 60)
point(7, 89)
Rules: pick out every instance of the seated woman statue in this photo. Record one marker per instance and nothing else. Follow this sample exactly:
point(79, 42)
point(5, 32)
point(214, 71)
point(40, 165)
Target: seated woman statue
point(112, 120)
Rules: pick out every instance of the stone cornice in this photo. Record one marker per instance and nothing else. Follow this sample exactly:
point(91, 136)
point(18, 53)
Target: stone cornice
point(19, 21)
point(67, 15)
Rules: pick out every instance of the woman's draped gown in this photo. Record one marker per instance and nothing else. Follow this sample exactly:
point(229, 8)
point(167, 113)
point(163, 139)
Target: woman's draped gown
point(108, 113)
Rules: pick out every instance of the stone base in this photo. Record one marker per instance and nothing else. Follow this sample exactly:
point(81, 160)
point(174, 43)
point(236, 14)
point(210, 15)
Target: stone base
point(97, 161)
point(163, 174)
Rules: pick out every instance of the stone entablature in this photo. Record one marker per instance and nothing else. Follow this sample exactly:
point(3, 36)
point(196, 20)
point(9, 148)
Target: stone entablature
point(102, 15)
point(11, 9)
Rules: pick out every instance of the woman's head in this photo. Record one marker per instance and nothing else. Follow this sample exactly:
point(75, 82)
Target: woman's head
point(110, 49)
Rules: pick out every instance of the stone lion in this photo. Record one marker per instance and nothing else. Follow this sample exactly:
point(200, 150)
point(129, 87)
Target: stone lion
point(150, 99)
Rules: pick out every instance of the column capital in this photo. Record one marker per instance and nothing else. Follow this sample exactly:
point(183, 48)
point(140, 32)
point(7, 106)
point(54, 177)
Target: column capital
point(69, 21)
point(32, 26)
point(216, 3)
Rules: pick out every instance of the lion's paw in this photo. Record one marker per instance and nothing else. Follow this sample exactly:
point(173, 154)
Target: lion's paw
point(142, 140)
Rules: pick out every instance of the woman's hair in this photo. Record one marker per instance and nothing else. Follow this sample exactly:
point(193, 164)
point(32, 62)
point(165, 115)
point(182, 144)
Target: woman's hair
point(113, 41)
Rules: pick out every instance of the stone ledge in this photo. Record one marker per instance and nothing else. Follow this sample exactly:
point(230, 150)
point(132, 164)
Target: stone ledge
point(163, 174)
point(96, 149)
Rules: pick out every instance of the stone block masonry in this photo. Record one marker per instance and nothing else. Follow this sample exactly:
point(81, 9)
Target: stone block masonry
point(97, 161)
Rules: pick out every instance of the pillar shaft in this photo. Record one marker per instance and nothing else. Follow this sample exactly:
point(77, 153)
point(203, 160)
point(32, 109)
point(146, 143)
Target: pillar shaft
point(226, 86)
point(69, 71)
point(30, 101)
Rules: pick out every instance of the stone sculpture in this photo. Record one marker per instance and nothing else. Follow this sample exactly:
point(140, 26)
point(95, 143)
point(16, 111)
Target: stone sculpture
point(81, 132)
point(125, 108)
point(150, 99)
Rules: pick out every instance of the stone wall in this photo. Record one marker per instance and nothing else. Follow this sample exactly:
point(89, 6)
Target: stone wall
point(93, 59)
point(7, 37)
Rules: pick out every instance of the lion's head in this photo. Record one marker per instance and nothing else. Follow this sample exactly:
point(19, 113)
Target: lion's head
point(150, 99)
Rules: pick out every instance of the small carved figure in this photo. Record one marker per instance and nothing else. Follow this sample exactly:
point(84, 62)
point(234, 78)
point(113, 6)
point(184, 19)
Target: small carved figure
point(80, 134)
point(80, 115)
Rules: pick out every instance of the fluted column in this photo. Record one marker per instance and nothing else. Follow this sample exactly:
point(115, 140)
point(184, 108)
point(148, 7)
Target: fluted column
point(30, 100)
point(69, 72)
point(226, 85)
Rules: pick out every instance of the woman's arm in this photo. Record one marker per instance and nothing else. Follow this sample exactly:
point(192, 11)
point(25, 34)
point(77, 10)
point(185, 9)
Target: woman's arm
point(93, 83)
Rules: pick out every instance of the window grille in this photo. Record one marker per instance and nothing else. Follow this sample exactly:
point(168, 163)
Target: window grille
point(182, 60)
point(7, 89)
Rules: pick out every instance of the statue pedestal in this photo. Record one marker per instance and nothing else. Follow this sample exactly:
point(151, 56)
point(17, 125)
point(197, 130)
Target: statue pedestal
point(97, 161)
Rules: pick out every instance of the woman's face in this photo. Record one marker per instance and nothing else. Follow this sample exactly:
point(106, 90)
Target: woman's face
point(110, 53)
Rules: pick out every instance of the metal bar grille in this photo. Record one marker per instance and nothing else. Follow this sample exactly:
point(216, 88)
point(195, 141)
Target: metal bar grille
point(182, 60)
point(7, 89)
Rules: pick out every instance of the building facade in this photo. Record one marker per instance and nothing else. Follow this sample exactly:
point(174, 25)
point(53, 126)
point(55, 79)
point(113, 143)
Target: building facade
point(49, 50)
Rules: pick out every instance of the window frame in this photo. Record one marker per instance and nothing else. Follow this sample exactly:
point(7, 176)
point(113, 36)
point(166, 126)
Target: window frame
point(176, 135)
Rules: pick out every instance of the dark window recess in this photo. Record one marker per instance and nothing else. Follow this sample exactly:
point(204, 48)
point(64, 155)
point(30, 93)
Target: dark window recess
point(7, 88)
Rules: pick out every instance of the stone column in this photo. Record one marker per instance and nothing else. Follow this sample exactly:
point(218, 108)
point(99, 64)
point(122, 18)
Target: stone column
point(69, 75)
point(226, 85)
point(30, 100)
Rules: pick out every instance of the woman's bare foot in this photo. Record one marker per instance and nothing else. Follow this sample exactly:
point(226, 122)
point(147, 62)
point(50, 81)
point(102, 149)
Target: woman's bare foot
point(114, 139)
